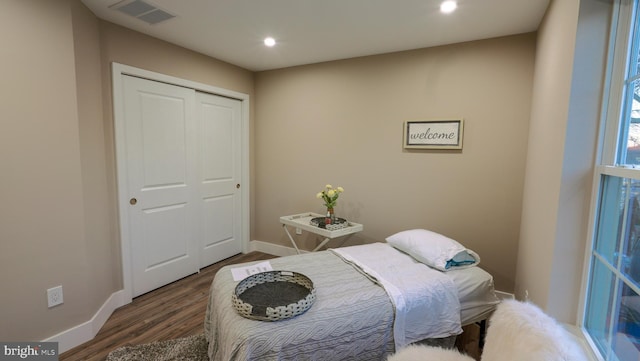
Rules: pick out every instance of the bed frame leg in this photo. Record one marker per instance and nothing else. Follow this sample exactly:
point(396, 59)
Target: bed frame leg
point(483, 333)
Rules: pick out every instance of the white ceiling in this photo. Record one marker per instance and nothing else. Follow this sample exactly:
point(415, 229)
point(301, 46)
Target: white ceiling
point(312, 31)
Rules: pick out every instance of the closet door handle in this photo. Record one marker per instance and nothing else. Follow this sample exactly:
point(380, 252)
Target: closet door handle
point(133, 201)
point(238, 185)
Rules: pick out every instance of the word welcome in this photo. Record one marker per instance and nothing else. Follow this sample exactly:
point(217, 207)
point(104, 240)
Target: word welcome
point(428, 134)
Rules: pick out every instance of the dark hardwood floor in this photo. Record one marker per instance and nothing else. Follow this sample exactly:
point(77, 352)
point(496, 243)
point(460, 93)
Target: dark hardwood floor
point(173, 311)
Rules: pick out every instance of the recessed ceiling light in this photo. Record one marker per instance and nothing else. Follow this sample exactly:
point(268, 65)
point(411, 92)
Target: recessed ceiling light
point(448, 6)
point(269, 41)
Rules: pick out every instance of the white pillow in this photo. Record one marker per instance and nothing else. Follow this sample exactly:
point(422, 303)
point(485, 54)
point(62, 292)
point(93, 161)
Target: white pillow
point(434, 249)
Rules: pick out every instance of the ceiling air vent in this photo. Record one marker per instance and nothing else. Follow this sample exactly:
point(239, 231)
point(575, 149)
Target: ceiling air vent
point(142, 10)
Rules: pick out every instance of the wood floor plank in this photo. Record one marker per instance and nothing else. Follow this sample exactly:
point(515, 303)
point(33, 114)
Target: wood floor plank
point(173, 311)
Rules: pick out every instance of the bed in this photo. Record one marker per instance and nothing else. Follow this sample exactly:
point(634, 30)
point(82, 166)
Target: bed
point(355, 316)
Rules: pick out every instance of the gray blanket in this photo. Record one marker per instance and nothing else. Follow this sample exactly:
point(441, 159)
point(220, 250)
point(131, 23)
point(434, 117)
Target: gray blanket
point(351, 319)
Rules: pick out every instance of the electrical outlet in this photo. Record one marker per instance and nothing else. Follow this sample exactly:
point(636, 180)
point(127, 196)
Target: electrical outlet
point(54, 296)
point(298, 230)
point(526, 295)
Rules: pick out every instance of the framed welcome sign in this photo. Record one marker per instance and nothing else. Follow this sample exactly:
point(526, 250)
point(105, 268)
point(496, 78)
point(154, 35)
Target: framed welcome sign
point(433, 134)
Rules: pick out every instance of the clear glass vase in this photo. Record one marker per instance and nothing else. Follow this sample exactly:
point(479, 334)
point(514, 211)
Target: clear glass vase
point(331, 214)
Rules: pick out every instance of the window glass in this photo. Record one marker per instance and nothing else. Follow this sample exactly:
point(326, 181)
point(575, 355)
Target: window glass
point(599, 305)
point(630, 262)
point(629, 152)
point(611, 215)
point(630, 132)
point(626, 339)
point(612, 316)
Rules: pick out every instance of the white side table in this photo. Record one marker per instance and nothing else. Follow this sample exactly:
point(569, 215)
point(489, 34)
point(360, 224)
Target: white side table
point(303, 221)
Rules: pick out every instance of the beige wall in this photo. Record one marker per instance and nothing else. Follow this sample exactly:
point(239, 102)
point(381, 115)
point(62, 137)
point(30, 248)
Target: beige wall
point(341, 123)
point(135, 49)
point(42, 233)
point(568, 80)
point(58, 215)
point(101, 254)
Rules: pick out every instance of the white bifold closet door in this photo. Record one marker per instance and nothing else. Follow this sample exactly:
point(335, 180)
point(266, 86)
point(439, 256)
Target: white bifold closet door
point(183, 169)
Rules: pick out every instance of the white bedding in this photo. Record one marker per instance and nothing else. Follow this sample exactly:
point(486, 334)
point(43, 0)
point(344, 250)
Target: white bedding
point(425, 300)
point(476, 293)
point(351, 319)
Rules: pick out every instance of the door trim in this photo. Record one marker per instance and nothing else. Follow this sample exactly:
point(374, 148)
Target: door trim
point(120, 70)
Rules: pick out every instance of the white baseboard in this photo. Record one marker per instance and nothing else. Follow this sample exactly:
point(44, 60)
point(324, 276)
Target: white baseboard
point(505, 295)
point(272, 249)
point(86, 331)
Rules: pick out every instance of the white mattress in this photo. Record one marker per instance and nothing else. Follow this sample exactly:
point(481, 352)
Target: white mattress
point(476, 293)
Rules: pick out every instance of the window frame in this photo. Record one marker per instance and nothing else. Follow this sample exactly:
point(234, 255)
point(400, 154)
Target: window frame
point(621, 48)
point(623, 16)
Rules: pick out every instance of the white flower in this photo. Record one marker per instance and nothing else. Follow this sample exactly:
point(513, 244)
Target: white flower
point(330, 195)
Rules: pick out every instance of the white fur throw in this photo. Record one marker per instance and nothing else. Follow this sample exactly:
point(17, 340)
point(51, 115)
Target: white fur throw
point(522, 331)
point(426, 353)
